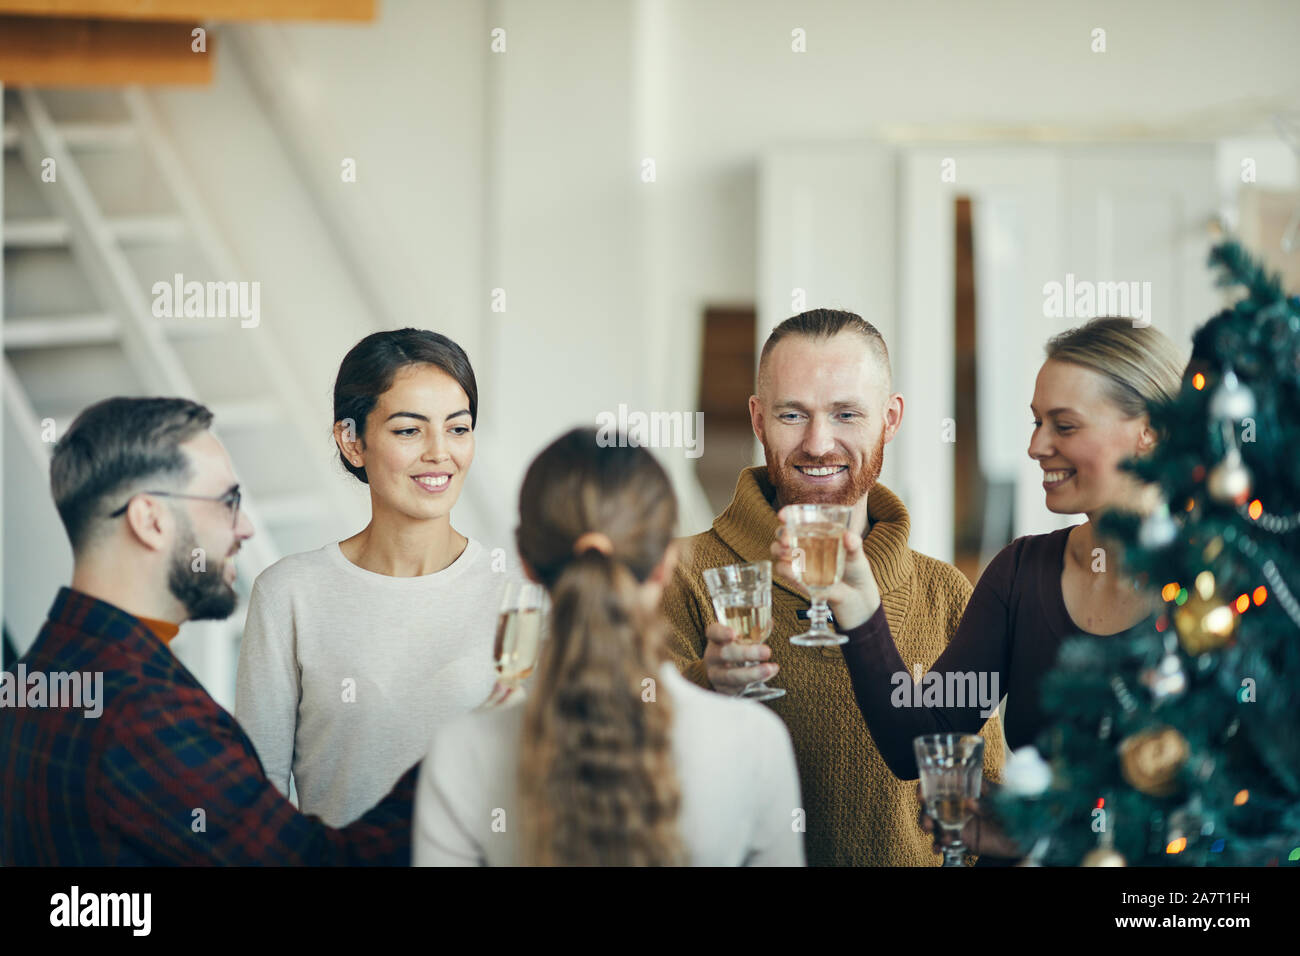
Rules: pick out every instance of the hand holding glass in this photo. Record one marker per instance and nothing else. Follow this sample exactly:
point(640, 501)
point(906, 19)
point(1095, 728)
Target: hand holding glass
point(818, 541)
point(951, 768)
point(520, 629)
point(742, 599)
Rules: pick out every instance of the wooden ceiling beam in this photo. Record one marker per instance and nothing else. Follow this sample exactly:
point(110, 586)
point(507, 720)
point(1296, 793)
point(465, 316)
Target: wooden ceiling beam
point(72, 52)
point(189, 10)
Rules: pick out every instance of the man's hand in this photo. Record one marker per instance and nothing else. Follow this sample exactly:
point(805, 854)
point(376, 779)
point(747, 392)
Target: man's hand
point(855, 598)
point(982, 835)
point(733, 666)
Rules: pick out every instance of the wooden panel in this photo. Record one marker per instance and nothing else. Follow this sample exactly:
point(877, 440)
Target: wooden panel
point(728, 355)
point(727, 366)
point(100, 53)
point(196, 9)
point(969, 490)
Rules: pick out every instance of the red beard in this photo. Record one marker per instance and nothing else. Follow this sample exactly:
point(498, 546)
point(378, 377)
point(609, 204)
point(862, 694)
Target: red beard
point(792, 489)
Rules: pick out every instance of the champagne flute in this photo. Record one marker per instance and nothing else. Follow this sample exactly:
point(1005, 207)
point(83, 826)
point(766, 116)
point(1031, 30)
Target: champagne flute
point(742, 599)
point(818, 533)
point(520, 628)
point(952, 769)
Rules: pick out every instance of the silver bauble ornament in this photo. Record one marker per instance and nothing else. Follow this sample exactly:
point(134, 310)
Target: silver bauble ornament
point(1230, 479)
point(1166, 679)
point(1158, 529)
point(1232, 400)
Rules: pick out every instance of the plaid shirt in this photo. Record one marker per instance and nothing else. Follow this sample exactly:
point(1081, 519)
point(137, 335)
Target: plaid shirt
point(126, 788)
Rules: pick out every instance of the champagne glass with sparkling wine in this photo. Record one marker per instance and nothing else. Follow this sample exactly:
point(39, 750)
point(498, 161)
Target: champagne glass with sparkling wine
point(952, 769)
point(742, 598)
point(520, 630)
point(818, 533)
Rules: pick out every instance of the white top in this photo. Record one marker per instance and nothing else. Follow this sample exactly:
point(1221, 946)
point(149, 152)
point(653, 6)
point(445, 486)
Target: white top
point(344, 674)
point(735, 765)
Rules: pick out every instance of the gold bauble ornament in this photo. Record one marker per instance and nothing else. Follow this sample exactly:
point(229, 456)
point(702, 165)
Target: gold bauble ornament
point(1205, 624)
point(1150, 760)
point(1103, 856)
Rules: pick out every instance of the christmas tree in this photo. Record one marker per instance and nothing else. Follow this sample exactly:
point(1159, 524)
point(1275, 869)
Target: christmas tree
point(1178, 742)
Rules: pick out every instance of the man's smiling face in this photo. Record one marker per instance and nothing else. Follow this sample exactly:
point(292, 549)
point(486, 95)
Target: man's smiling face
point(824, 414)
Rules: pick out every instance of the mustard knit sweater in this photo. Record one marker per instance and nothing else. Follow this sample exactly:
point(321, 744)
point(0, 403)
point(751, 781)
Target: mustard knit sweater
point(857, 812)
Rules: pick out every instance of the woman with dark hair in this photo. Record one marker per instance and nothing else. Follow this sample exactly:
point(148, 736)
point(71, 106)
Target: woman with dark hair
point(354, 653)
point(614, 759)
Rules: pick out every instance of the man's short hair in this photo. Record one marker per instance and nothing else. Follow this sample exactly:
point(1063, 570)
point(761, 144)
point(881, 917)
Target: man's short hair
point(823, 323)
point(114, 448)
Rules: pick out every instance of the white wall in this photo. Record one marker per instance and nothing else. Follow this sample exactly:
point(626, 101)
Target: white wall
point(402, 245)
point(521, 170)
point(1000, 73)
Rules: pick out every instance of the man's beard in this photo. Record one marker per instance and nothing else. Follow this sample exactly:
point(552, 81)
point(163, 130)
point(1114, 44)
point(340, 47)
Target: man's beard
point(791, 489)
point(205, 594)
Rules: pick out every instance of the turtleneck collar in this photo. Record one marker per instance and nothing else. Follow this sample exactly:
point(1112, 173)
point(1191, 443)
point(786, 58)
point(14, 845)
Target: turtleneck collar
point(163, 630)
point(748, 527)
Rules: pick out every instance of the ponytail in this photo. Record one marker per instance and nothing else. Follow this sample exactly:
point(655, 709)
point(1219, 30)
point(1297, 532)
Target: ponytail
point(597, 783)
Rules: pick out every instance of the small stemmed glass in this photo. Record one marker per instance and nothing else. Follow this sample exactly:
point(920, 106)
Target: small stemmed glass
point(818, 542)
point(742, 599)
point(951, 768)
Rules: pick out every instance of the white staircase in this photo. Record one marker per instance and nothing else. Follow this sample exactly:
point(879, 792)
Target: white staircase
point(81, 255)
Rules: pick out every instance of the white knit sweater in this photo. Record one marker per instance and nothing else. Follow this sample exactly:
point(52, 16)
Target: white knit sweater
point(734, 762)
point(345, 674)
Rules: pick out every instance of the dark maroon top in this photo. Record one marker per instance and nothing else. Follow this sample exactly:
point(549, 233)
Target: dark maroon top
point(1012, 627)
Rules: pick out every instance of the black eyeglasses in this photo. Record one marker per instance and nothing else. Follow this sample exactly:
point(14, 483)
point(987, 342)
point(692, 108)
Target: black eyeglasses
point(230, 499)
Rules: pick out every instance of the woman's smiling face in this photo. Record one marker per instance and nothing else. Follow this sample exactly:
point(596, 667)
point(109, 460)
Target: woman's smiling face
point(419, 443)
point(1080, 437)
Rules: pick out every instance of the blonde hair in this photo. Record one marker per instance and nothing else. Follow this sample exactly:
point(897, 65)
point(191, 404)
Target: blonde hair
point(597, 784)
point(1141, 366)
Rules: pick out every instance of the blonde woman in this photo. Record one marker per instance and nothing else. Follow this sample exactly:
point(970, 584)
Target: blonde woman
point(1089, 415)
point(614, 758)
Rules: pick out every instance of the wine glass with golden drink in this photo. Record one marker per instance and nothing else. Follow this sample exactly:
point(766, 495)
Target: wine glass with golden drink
point(818, 542)
point(742, 599)
point(951, 768)
point(520, 628)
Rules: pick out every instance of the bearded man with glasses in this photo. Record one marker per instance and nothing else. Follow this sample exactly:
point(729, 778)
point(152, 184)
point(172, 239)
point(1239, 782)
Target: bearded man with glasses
point(207, 594)
point(151, 507)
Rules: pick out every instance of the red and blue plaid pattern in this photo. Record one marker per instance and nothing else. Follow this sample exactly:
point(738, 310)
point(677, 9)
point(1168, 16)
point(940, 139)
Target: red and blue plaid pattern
point(164, 775)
